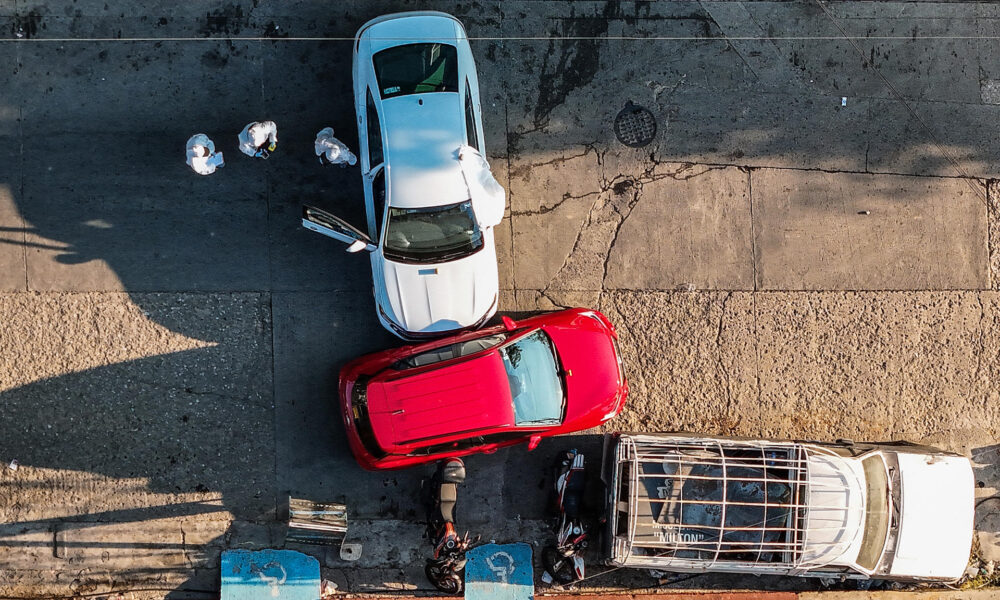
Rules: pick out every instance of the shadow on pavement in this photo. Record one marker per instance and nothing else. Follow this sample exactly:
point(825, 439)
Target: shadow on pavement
point(181, 441)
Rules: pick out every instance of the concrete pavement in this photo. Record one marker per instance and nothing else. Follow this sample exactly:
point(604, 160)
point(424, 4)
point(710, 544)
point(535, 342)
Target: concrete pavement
point(778, 263)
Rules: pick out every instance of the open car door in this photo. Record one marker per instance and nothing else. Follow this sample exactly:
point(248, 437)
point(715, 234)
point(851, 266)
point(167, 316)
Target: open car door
point(332, 226)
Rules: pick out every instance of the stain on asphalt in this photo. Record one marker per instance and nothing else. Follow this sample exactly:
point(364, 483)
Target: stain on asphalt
point(272, 30)
point(228, 20)
point(577, 63)
point(214, 59)
point(26, 26)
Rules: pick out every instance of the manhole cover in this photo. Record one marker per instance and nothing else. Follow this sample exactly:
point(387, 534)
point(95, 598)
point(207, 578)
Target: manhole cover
point(635, 126)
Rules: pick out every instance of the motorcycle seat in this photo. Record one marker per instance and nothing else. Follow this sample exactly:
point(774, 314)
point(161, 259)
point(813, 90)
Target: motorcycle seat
point(447, 498)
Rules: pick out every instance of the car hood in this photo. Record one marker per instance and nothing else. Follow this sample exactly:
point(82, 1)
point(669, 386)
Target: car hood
point(936, 516)
point(587, 353)
point(430, 298)
point(462, 398)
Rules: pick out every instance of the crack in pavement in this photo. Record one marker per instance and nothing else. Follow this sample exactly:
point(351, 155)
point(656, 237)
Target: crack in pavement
point(588, 148)
point(545, 209)
point(611, 209)
point(636, 195)
point(721, 363)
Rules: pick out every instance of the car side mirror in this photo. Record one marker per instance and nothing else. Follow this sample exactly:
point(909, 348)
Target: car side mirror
point(359, 245)
point(508, 323)
point(533, 442)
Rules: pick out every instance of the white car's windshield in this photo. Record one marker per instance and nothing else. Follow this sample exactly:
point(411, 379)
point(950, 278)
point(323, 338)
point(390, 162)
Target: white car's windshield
point(533, 375)
point(876, 512)
point(432, 234)
point(416, 69)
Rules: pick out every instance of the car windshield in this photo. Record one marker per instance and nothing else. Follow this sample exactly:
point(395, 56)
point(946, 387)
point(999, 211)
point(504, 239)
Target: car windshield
point(432, 234)
point(535, 383)
point(416, 69)
point(876, 512)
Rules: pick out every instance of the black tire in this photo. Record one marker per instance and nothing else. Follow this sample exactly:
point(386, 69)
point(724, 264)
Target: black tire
point(445, 580)
point(558, 566)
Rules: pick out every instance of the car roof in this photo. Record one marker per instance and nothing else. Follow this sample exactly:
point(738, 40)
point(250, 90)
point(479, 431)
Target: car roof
point(423, 134)
point(466, 398)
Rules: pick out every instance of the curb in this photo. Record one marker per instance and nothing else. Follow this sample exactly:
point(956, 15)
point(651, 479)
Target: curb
point(943, 594)
point(693, 595)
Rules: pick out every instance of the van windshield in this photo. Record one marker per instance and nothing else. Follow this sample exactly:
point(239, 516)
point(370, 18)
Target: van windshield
point(435, 234)
point(876, 512)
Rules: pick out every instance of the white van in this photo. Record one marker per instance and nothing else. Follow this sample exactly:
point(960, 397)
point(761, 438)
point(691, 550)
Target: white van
point(689, 503)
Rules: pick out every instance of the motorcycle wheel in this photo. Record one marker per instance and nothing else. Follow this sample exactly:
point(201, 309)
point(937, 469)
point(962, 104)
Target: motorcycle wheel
point(444, 579)
point(558, 566)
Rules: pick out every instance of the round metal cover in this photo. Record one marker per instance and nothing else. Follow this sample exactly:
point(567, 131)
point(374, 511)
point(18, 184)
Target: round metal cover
point(635, 126)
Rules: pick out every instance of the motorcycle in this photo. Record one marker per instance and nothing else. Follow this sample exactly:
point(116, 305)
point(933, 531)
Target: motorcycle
point(563, 562)
point(444, 571)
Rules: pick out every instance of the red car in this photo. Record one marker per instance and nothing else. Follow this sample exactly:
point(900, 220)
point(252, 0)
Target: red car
point(483, 390)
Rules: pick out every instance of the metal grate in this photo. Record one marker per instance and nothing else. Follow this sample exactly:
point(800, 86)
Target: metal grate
point(696, 502)
point(316, 522)
point(635, 126)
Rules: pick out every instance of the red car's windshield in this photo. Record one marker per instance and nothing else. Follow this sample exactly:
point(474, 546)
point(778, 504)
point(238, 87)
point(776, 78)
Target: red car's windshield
point(535, 385)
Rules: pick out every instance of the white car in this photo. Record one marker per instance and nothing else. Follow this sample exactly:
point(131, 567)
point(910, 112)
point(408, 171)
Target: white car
point(689, 503)
point(430, 198)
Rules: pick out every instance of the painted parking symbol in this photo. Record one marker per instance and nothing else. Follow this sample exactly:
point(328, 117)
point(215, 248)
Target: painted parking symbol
point(499, 572)
point(502, 565)
point(269, 575)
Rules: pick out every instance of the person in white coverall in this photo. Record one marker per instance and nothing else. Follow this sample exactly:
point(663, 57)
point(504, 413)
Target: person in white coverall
point(259, 139)
point(332, 151)
point(201, 155)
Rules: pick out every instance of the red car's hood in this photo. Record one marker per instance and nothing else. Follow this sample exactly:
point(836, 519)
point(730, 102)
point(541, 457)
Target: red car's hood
point(461, 398)
point(592, 381)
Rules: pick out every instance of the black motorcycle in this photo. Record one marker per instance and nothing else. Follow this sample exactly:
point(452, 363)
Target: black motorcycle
point(444, 571)
point(563, 562)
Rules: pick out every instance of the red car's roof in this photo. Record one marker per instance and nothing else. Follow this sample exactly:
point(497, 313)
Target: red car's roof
point(418, 409)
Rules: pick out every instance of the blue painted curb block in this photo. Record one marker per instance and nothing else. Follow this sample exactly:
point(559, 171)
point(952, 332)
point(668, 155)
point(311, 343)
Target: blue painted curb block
point(269, 575)
point(499, 572)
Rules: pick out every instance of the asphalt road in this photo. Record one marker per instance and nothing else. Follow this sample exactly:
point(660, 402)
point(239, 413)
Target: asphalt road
point(810, 247)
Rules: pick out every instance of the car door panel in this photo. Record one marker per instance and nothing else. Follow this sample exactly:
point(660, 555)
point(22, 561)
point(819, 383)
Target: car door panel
point(330, 225)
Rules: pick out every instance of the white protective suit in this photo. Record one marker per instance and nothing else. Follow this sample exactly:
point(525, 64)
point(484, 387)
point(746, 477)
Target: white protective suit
point(201, 155)
point(255, 135)
point(336, 151)
point(489, 200)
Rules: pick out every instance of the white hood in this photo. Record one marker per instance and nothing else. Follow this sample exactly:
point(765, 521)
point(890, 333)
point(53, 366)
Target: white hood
point(936, 520)
point(444, 296)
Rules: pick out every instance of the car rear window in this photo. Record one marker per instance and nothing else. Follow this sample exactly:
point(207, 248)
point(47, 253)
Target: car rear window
point(416, 69)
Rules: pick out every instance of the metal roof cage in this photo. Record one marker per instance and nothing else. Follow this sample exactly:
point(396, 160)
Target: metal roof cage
point(696, 502)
